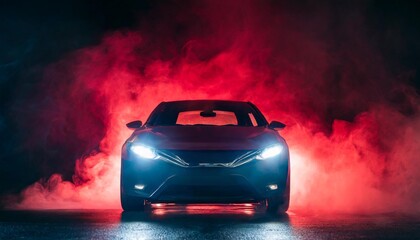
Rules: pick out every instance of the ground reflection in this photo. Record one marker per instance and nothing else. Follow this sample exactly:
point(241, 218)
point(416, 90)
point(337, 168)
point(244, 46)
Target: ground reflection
point(203, 222)
point(231, 211)
point(199, 220)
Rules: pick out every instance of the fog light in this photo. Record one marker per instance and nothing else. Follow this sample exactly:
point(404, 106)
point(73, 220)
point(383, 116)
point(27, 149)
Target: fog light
point(272, 186)
point(139, 186)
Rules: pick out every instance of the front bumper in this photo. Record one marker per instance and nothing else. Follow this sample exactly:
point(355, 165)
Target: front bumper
point(166, 182)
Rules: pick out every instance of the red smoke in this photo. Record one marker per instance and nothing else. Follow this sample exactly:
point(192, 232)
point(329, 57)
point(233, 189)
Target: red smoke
point(351, 149)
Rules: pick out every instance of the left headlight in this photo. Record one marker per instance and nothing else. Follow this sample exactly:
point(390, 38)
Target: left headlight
point(270, 152)
point(144, 151)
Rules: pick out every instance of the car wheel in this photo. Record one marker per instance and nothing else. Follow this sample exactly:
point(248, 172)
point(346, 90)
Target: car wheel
point(130, 203)
point(275, 205)
point(279, 203)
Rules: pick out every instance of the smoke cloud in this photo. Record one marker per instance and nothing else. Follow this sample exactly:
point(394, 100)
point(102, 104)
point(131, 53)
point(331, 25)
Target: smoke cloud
point(352, 125)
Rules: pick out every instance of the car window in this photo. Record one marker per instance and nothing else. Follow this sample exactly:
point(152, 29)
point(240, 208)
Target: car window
point(194, 118)
point(203, 112)
point(253, 120)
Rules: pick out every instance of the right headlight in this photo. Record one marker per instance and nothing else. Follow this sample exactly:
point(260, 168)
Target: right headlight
point(144, 151)
point(270, 152)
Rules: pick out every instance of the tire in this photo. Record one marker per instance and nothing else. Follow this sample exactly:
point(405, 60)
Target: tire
point(277, 205)
point(130, 203)
point(280, 203)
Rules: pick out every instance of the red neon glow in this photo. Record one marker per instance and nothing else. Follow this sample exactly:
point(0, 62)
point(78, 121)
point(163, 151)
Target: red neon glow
point(368, 162)
point(160, 212)
point(160, 209)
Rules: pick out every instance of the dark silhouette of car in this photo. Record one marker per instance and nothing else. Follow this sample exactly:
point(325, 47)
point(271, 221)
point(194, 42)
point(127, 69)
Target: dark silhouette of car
point(205, 151)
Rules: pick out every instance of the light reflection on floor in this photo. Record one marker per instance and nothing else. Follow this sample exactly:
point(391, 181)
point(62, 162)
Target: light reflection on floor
point(203, 222)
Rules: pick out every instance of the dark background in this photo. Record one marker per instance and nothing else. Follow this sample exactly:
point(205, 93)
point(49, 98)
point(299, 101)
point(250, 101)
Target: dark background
point(35, 34)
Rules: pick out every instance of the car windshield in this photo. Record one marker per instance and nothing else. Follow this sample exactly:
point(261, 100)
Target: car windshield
point(206, 113)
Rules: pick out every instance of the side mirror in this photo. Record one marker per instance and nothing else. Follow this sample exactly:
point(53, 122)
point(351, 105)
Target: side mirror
point(134, 124)
point(276, 125)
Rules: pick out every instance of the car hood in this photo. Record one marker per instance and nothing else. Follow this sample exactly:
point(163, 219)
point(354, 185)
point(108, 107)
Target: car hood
point(206, 137)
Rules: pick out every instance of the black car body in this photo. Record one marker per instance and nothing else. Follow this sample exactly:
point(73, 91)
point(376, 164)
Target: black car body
point(205, 151)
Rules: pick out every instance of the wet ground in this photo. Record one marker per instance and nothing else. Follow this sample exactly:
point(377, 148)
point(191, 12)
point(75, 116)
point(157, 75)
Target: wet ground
point(202, 222)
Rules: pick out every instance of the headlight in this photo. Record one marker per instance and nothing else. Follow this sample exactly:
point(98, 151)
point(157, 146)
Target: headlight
point(270, 152)
point(144, 151)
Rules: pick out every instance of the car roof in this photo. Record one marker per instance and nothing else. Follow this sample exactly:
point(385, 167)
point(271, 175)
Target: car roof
point(206, 101)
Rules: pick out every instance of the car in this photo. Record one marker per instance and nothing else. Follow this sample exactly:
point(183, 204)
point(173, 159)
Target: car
point(205, 151)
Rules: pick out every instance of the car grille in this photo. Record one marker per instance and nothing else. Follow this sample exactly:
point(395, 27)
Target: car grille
point(192, 158)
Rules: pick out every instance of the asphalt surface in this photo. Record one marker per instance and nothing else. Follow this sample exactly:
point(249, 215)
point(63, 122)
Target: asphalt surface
point(202, 222)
